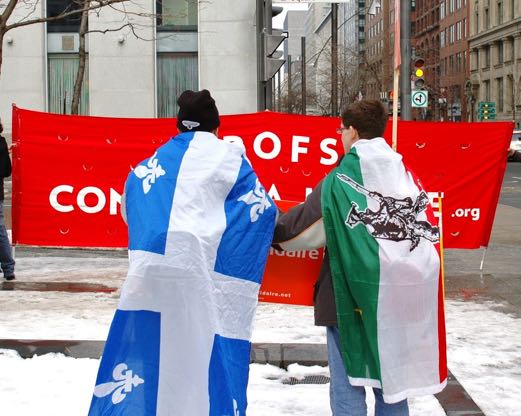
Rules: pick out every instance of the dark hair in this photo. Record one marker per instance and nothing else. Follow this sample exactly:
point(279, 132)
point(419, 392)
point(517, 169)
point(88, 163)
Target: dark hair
point(368, 117)
point(197, 111)
point(1, 127)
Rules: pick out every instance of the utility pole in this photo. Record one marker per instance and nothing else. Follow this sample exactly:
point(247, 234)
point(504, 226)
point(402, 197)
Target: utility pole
point(303, 71)
point(289, 84)
point(334, 59)
point(261, 90)
point(405, 67)
point(268, 15)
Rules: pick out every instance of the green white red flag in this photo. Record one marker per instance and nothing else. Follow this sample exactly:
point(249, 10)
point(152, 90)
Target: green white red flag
point(383, 243)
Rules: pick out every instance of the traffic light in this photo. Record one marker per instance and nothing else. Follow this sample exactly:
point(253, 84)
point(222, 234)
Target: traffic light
point(486, 110)
point(272, 61)
point(418, 73)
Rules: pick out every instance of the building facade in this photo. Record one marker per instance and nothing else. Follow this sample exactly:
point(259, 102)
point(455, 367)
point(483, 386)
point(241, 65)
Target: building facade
point(495, 52)
point(137, 71)
point(379, 52)
point(455, 101)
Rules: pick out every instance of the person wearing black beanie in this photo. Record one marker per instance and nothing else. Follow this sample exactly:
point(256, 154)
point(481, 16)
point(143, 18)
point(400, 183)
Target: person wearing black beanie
point(200, 226)
point(197, 112)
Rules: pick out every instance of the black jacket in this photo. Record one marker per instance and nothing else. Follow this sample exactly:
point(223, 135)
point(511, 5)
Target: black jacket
point(5, 165)
point(302, 228)
point(516, 157)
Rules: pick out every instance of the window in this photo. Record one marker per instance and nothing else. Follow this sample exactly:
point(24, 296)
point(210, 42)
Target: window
point(442, 39)
point(499, 12)
point(500, 57)
point(486, 90)
point(442, 10)
point(500, 101)
point(177, 14)
point(487, 57)
point(176, 72)
point(476, 22)
point(62, 76)
point(69, 24)
point(487, 19)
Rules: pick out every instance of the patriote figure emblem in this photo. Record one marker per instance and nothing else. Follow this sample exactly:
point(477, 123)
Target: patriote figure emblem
point(396, 219)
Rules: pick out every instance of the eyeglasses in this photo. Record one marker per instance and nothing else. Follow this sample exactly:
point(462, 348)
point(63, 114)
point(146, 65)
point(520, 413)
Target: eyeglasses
point(341, 129)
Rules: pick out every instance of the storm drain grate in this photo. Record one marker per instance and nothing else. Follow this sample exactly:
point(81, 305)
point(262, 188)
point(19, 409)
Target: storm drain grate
point(306, 380)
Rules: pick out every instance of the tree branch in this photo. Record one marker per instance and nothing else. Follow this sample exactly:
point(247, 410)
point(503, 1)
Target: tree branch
point(99, 4)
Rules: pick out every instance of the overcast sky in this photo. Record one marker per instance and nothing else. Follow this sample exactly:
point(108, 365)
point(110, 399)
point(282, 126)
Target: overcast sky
point(278, 21)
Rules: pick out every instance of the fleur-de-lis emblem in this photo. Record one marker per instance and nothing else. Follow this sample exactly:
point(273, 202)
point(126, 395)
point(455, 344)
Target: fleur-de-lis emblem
point(124, 382)
point(149, 173)
point(258, 200)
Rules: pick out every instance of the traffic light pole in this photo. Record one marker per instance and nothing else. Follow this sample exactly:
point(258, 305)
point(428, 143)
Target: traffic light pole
point(268, 27)
point(405, 67)
point(261, 91)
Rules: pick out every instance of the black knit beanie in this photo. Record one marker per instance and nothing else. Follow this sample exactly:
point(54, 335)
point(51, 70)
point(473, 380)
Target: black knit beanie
point(197, 111)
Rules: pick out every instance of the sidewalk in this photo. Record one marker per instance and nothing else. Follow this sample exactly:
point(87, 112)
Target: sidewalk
point(89, 272)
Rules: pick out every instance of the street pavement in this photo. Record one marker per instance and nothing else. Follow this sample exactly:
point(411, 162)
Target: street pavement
point(498, 281)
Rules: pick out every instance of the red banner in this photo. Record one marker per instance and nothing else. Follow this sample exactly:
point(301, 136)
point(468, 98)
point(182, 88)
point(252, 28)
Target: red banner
point(69, 171)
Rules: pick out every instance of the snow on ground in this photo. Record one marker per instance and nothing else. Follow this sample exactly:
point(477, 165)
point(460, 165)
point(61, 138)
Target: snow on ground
point(483, 353)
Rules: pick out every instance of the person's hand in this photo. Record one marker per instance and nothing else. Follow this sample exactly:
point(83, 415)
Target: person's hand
point(511, 152)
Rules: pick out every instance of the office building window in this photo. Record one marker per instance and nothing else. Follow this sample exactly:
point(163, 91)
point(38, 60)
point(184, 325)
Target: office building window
point(62, 76)
point(486, 90)
point(500, 57)
point(177, 14)
point(70, 24)
point(500, 101)
point(176, 72)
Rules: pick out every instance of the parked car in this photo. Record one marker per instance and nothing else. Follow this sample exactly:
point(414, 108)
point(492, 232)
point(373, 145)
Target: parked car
point(516, 140)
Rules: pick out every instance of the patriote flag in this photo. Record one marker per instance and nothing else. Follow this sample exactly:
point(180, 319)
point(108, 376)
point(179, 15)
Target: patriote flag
point(200, 227)
point(383, 243)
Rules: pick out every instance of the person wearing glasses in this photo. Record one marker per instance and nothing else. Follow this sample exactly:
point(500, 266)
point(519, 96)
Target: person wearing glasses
point(362, 206)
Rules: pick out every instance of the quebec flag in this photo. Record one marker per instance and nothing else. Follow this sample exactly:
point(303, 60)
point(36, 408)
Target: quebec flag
point(200, 227)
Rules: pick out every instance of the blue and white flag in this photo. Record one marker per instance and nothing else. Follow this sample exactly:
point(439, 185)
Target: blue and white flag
point(200, 227)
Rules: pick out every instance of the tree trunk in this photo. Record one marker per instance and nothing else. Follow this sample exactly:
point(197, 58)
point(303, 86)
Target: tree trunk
point(82, 60)
point(1, 50)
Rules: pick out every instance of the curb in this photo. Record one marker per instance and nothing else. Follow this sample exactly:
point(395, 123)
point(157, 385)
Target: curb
point(454, 399)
